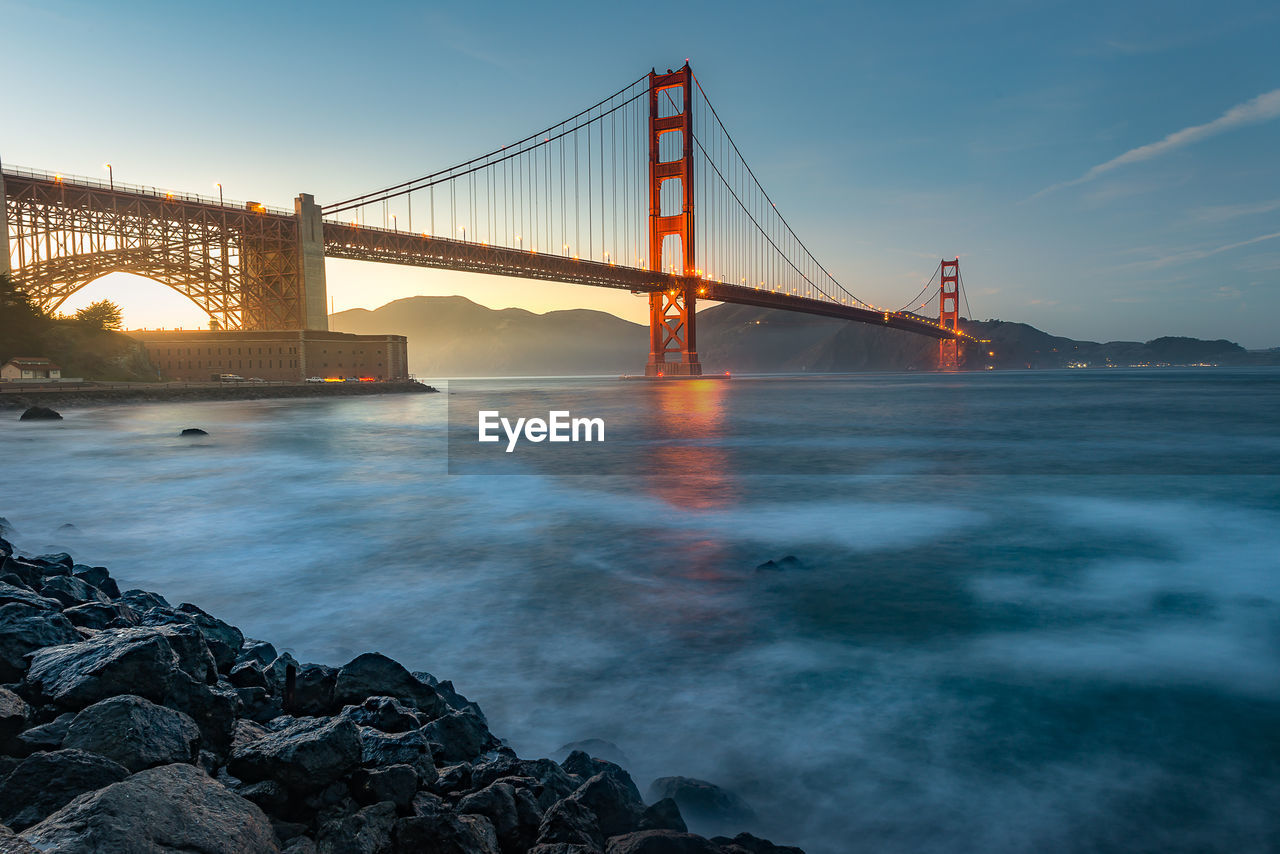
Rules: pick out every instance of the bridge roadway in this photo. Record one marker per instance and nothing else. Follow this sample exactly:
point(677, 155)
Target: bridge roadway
point(362, 243)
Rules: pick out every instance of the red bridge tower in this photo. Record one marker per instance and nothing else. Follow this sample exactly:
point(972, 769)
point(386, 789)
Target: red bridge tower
point(672, 325)
point(949, 314)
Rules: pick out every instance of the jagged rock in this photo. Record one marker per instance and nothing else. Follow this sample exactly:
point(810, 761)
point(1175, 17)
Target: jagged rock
point(115, 661)
point(143, 600)
point(384, 713)
point(395, 783)
point(704, 803)
point(312, 692)
point(661, 842)
point(193, 647)
point(267, 794)
point(365, 832)
point(193, 431)
point(135, 732)
point(11, 843)
point(597, 748)
point(374, 675)
point(248, 675)
point(563, 848)
point(25, 629)
point(43, 783)
point(663, 815)
point(14, 714)
point(257, 652)
point(57, 559)
point(586, 767)
point(569, 822)
point(26, 572)
point(46, 737)
point(11, 593)
point(451, 697)
point(258, 705)
point(787, 563)
point(306, 755)
point(71, 591)
point(463, 735)
point(300, 845)
point(513, 812)
point(225, 640)
point(98, 615)
point(39, 413)
point(445, 833)
point(453, 778)
point(617, 808)
point(379, 750)
point(748, 844)
point(171, 808)
point(98, 577)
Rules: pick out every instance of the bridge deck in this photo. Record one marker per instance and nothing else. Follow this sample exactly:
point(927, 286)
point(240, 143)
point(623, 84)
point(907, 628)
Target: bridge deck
point(362, 243)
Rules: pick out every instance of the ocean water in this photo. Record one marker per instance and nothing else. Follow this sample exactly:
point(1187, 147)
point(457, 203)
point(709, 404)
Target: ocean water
point(1032, 612)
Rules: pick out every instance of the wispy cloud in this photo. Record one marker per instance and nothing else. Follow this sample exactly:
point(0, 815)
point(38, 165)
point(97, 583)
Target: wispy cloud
point(1197, 254)
point(1263, 108)
point(1222, 213)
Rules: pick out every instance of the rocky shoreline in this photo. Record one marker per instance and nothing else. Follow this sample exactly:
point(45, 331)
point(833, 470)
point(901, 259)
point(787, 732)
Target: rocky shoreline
point(161, 393)
point(131, 725)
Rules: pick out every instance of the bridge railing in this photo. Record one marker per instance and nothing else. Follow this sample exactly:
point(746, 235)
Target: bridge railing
point(138, 190)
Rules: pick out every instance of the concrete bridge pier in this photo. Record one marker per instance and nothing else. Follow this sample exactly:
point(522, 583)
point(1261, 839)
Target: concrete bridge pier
point(4, 228)
point(315, 293)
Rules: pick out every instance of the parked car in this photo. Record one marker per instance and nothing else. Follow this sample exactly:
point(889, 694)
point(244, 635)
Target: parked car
point(315, 379)
point(228, 378)
point(256, 380)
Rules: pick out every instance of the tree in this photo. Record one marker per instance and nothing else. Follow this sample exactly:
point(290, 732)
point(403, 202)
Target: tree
point(103, 314)
point(21, 321)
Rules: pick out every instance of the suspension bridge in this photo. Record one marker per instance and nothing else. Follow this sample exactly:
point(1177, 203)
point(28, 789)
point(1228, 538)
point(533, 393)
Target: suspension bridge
point(645, 191)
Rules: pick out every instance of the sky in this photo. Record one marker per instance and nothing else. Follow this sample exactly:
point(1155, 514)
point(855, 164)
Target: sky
point(1104, 171)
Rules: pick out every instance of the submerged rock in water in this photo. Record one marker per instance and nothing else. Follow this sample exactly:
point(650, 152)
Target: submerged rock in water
point(39, 413)
point(702, 802)
point(788, 562)
point(193, 431)
point(598, 748)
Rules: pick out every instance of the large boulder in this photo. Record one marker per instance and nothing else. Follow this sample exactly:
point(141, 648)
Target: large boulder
point(616, 807)
point(585, 767)
point(367, 831)
point(380, 749)
point(704, 804)
point(23, 595)
point(173, 808)
point(43, 783)
point(463, 735)
point(395, 783)
point(25, 629)
point(384, 713)
point(570, 823)
point(135, 732)
point(445, 833)
point(115, 661)
point(374, 675)
point(72, 591)
point(512, 811)
point(306, 755)
point(99, 577)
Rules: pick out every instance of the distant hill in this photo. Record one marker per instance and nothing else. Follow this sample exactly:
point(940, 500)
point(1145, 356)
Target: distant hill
point(455, 337)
